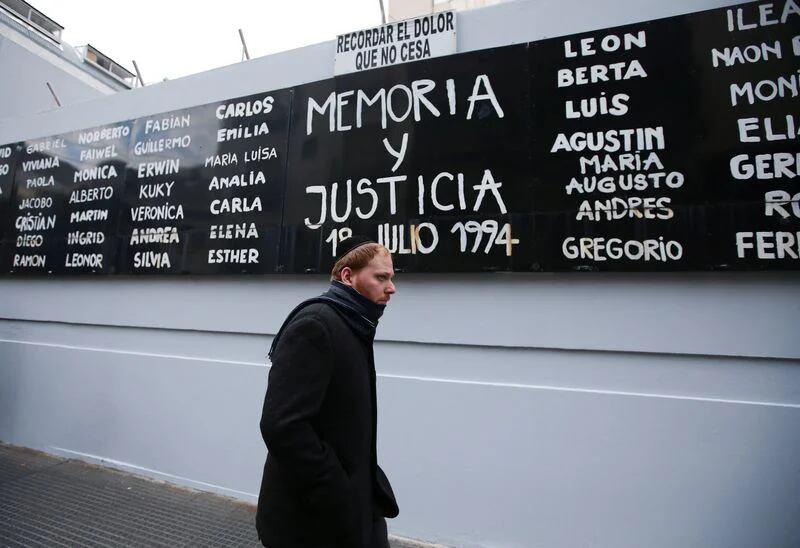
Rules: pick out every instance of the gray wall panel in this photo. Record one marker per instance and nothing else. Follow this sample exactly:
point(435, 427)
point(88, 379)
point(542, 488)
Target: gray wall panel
point(189, 421)
point(499, 466)
point(31, 72)
point(485, 446)
point(738, 314)
point(235, 348)
point(726, 380)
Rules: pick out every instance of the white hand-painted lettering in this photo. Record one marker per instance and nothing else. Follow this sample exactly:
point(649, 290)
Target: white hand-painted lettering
point(167, 123)
point(765, 90)
point(765, 16)
point(766, 166)
point(738, 55)
point(399, 155)
point(776, 201)
point(488, 94)
point(625, 182)
point(602, 249)
point(773, 129)
point(593, 74)
point(598, 106)
point(398, 104)
point(609, 43)
point(768, 245)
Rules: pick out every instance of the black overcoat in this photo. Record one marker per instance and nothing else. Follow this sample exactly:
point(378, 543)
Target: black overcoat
point(322, 486)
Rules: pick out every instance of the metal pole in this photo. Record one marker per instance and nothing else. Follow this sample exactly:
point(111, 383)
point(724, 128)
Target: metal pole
point(244, 45)
point(138, 74)
point(383, 13)
point(53, 93)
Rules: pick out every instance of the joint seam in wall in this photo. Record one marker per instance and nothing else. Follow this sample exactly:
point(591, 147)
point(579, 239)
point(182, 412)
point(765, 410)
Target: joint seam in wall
point(577, 390)
point(459, 344)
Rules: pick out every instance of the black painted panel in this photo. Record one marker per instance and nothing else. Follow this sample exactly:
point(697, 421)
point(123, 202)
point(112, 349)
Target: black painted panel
point(204, 190)
point(662, 145)
point(462, 125)
point(66, 197)
point(8, 164)
point(747, 64)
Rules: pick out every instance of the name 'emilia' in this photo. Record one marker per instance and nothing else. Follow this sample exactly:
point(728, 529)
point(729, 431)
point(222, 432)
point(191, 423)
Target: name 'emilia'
point(242, 132)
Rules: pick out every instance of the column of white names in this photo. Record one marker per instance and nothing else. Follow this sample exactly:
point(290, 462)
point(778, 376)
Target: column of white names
point(156, 213)
point(623, 176)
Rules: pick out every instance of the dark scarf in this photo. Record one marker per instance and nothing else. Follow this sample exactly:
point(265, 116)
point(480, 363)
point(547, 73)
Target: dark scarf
point(360, 313)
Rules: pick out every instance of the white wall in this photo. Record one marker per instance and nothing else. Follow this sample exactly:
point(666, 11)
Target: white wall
point(553, 410)
point(27, 67)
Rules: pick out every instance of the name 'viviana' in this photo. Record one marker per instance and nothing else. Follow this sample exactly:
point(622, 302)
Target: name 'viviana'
point(49, 162)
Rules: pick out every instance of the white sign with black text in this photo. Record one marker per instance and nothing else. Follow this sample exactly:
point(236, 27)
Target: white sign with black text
point(395, 43)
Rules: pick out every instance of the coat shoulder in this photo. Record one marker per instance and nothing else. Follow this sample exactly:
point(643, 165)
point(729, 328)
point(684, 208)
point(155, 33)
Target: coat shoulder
point(322, 313)
point(316, 310)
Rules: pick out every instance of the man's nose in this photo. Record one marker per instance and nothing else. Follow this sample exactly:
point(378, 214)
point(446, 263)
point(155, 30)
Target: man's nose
point(391, 288)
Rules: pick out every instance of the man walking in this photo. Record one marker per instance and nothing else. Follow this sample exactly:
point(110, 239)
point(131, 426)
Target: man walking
point(322, 486)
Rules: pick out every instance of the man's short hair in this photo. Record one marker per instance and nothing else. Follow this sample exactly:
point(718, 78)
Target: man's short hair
point(357, 258)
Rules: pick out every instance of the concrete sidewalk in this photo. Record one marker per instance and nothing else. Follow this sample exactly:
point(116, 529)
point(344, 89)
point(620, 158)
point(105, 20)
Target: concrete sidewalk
point(51, 501)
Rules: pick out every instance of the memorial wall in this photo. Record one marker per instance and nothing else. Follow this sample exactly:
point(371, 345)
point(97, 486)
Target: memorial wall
point(659, 146)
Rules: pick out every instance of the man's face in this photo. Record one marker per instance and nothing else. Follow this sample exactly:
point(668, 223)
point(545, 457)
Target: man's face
point(374, 281)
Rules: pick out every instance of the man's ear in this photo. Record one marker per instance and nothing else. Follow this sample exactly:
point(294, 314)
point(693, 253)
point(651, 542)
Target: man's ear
point(347, 275)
